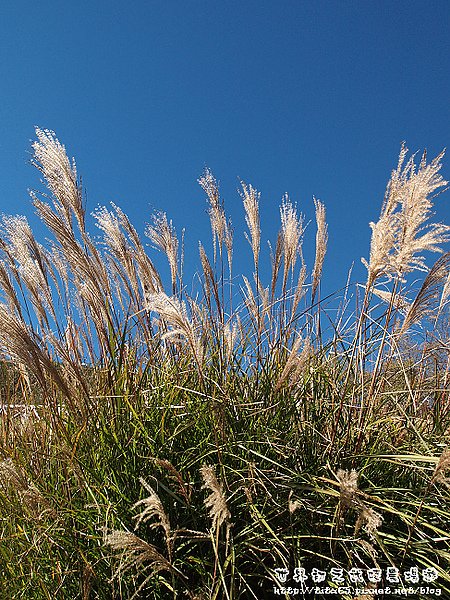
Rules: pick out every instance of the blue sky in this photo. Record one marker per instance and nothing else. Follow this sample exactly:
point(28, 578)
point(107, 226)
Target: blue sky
point(305, 97)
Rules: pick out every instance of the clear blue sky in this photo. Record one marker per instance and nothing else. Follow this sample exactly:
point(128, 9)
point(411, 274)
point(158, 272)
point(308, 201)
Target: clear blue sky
point(305, 97)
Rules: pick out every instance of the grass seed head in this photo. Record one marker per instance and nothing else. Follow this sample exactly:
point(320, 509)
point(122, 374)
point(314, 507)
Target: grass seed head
point(216, 502)
point(348, 481)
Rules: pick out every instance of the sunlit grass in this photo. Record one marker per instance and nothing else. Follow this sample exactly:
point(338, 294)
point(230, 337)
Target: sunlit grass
point(160, 445)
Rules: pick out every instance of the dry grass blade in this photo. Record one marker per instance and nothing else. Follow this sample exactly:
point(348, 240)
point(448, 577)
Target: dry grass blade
point(445, 296)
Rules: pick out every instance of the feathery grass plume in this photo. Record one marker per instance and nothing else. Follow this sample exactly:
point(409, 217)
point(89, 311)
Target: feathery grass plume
point(13, 478)
point(174, 313)
point(19, 342)
point(60, 174)
point(28, 263)
point(442, 467)
point(348, 487)
point(265, 303)
point(7, 288)
point(369, 519)
point(384, 231)
point(153, 508)
point(230, 334)
point(146, 270)
point(295, 363)
point(162, 234)
point(401, 233)
point(250, 197)
point(398, 301)
point(83, 267)
point(216, 212)
point(429, 296)
point(416, 208)
point(136, 552)
point(117, 243)
point(321, 245)
point(293, 505)
point(292, 232)
point(216, 501)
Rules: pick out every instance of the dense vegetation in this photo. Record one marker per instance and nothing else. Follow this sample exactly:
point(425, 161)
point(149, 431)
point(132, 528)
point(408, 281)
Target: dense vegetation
point(159, 445)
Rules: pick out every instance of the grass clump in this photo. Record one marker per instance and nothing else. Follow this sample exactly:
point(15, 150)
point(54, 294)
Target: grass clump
point(156, 444)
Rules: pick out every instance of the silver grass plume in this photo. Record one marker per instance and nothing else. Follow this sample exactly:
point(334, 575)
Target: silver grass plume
point(28, 261)
point(220, 227)
point(369, 519)
point(349, 498)
point(415, 201)
point(397, 300)
point(429, 297)
point(162, 234)
point(209, 279)
point(250, 197)
point(115, 239)
point(152, 507)
point(292, 232)
point(321, 245)
point(299, 291)
point(402, 233)
point(348, 487)
point(145, 268)
point(216, 502)
point(443, 465)
point(14, 479)
point(174, 313)
point(19, 342)
point(60, 174)
point(275, 258)
point(136, 553)
point(296, 362)
point(230, 334)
